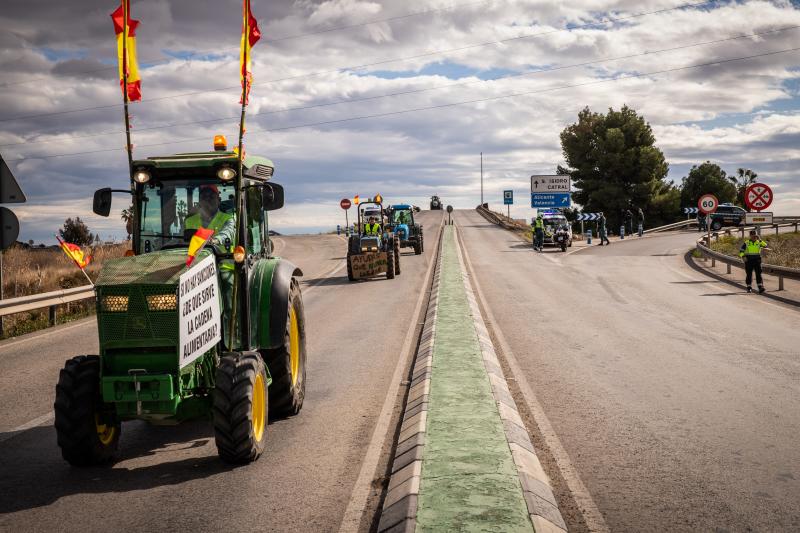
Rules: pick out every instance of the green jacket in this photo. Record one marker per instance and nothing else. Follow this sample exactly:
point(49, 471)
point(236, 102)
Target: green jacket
point(753, 248)
point(539, 224)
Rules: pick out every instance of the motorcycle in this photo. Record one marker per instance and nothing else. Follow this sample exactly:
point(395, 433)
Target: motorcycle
point(561, 238)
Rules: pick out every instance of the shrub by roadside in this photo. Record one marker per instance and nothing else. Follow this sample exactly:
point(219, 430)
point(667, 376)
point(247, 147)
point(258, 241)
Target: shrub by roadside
point(784, 248)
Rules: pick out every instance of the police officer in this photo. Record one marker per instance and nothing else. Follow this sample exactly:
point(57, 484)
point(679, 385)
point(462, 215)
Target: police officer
point(601, 229)
point(751, 253)
point(640, 218)
point(372, 227)
point(538, 232)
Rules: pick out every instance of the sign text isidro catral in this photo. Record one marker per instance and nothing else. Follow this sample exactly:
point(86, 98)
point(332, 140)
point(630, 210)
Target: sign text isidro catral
point(198, 307)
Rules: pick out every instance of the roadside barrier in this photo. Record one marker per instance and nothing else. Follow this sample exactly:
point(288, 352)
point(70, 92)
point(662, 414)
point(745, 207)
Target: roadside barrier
point(22, 304)
point(774, 270)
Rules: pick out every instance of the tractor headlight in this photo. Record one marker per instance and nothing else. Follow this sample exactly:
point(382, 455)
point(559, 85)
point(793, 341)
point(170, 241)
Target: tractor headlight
point(162, 302)
point(141, 176)
point(115, 304)
point(226, 173)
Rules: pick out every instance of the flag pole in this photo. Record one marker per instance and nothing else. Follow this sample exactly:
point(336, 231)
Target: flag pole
point(128, 146)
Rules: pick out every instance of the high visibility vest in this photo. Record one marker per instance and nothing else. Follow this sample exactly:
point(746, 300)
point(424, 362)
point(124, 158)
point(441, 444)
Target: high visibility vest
point(372, 229)
point(752, 247)
point(217, 223)
point(539, 224)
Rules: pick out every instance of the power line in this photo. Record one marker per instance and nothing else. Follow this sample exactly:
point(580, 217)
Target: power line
point(440, 106)
point(421, 90)
point(275, 40)
point(373, 64)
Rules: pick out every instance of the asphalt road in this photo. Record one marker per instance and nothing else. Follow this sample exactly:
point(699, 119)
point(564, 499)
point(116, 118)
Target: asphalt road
point(169, 478)
point(672, 398)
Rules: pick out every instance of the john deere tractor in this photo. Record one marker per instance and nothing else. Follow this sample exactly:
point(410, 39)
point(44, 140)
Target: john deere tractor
point(406, 230)
point(216, 333)
point(371, 253)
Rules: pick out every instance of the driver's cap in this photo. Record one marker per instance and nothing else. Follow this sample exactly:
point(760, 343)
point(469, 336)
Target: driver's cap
point(209, 187)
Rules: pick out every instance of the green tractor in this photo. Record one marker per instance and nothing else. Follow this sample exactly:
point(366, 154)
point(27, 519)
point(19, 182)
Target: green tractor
point(220, 338)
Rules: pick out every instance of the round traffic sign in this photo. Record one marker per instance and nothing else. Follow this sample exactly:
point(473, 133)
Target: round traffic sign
point(449, 208)
point(758, 197)
point(345, 203)
point(707, 204)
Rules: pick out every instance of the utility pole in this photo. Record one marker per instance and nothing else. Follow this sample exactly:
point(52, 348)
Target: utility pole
point(481, 178)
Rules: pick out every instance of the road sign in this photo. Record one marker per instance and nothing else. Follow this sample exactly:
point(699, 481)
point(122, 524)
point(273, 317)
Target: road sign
point(690, 210)
point(508, 197)
point(758, 218)
point(345, 203)
point(9, 228)
point(449, 208)
point(758, 196)
point(588, 216)
point(551, 184)
point(10, 191)
point(559, 199)
point(707, 204)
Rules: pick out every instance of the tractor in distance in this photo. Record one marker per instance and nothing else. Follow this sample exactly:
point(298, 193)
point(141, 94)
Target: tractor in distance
point(220, 338)
point(401, 221)
point(436, 203)
point(369, 253)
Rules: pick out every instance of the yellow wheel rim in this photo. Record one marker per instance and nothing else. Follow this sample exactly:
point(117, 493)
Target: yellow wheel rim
point(105, 432)
point(294, 345)
point(259, 407)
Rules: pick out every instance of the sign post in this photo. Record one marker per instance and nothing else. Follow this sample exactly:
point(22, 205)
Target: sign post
point(449, 210)
point(508, 199)
point(758, 197)
point(708, 204)
point(345, 204)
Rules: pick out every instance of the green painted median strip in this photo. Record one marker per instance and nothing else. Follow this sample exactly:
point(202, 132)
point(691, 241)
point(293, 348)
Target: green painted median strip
point(469, 480)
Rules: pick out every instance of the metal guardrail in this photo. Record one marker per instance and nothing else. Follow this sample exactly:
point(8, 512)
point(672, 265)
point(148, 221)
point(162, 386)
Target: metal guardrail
point(774, 270)
point(21, 304)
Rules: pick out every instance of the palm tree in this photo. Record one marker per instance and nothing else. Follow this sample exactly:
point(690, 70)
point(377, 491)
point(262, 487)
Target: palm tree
point(742, 180)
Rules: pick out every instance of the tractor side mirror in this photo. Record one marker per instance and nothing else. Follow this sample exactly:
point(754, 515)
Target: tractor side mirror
point(272, 196)
point(102, 202)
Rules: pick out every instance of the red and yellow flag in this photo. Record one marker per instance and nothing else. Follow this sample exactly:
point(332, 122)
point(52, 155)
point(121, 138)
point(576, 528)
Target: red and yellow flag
point(199, 240)
point(356, 200)
point(75, 253)
point(126, 50)
point(250, 36)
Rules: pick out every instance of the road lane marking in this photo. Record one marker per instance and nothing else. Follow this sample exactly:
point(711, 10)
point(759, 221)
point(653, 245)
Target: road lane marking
point(363, 487)
point(36, 422)
point(586, 505)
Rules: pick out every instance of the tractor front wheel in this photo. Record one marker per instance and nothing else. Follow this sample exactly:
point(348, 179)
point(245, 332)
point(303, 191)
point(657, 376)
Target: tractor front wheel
point(397, 257)
point(287, 364)
point(86, 428)
point(390, 263)
point(350, 275)
point(240, 407)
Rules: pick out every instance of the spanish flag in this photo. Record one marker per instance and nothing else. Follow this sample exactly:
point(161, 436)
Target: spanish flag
point(199, 240)
point(356, 200)
point(250, 36)
point(126, 50)
point(75, 253)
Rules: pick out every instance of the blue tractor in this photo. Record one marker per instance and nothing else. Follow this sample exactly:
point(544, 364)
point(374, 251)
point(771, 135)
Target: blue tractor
point(407, 232)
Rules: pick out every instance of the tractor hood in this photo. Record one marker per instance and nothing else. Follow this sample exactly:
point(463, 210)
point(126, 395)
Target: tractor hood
point(155, 268)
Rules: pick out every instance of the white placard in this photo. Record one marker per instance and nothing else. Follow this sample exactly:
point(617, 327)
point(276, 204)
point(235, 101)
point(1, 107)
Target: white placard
point(551, 184)
point(757, 218)
point(198, 310)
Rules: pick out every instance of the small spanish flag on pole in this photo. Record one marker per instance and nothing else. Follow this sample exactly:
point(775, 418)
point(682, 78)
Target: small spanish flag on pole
point(356, 200)
point(199, 240)
point(75, 253)
point(126, 52)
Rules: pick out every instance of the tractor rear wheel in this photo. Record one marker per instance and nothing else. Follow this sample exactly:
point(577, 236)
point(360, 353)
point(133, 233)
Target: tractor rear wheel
point(287, 364)
point(350, 269)
point(418, 246)
point(390, 263)
point(240, 407)
point(86, 428)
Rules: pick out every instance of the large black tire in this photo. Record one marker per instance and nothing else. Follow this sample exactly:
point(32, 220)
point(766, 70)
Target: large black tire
point(287, 364)
point(350, 269)
point(240, 407)
point(563, 247)
point(390, 263)
point(418, 246)
point(397, 257)
point(87, 429)
point(716, 226)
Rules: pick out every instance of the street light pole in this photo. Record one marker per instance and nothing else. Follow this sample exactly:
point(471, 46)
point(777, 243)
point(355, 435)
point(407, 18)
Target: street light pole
point(481, 178)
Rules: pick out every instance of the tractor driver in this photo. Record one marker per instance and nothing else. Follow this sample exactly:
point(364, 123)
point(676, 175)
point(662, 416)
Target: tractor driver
point(209, 216)
point(372, 227)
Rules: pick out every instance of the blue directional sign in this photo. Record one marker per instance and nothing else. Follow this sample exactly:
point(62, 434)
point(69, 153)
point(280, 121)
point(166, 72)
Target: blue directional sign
point(556, 199)
point(508, 197)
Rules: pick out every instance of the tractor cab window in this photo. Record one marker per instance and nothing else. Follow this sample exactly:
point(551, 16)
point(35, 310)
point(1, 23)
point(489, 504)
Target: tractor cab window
point(171, 209)
point(401, 216)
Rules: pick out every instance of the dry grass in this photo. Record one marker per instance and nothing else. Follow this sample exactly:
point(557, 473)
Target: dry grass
point(32, 271)
point(784, 248)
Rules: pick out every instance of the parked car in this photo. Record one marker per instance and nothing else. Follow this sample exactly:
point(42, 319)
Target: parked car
point(727, 215)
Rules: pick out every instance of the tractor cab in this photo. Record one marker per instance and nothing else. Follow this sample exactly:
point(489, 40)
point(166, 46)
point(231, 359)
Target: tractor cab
point(400, 219)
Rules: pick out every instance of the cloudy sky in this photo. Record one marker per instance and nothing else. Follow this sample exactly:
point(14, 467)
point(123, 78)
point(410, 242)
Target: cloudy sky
point(365, 96)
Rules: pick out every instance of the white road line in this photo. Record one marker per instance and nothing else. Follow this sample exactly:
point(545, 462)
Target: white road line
point(43, 334)
point(363, 485)
point(586, 505)
point(39, 421)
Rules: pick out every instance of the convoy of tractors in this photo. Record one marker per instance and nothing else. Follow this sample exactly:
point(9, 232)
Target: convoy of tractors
point(200, 319)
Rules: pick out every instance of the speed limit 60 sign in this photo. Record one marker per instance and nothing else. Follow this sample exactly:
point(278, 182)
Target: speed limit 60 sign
point(707, 204)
